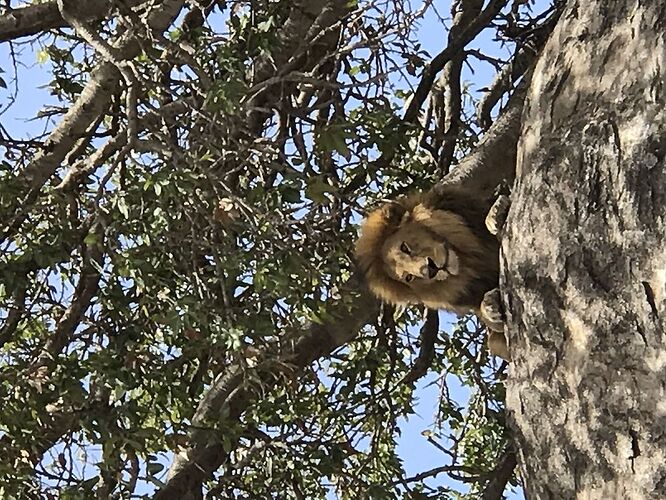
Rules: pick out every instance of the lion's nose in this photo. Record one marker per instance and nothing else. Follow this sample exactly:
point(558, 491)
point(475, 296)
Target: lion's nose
point(432, 268)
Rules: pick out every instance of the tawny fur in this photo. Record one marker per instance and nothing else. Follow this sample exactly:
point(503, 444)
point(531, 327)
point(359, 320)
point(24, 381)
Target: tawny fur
point(452, 215)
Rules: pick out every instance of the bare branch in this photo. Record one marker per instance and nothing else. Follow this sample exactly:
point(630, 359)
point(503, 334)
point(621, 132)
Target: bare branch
point(81, 170)
point(36, 18)
point(430, 73)
point(428, 337)
point(514, 69)
point(494, 159)
point(449, 82)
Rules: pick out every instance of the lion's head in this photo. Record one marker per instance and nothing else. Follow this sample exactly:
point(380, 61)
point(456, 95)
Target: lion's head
point(410, 253)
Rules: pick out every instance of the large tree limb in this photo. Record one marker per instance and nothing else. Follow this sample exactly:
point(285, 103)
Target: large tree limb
point(36, 18)
point(232, 393)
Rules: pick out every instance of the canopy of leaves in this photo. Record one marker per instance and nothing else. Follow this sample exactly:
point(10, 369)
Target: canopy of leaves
point(177, 288)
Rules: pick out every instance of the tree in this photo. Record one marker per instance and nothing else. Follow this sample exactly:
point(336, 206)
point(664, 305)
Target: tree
point(176, 283)
point(584, 263)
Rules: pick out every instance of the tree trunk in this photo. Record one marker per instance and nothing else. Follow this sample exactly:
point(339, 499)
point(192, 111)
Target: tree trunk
point(584, 264)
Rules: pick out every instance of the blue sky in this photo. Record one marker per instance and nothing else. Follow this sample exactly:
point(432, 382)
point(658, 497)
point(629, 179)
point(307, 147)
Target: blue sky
point(419, 455)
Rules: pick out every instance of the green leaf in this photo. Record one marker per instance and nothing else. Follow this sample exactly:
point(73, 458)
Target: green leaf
point(291, 195)
point(154, 468)
point(91, 239)
point(317, 189)
point(123, 208)
point(333, 139)
point(42, 56)
point(266, 25)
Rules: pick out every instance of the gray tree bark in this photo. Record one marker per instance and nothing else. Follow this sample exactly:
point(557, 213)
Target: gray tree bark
point(584, 265)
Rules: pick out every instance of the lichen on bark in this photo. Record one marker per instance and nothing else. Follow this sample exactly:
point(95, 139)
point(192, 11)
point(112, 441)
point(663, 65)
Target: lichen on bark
point(584, 265)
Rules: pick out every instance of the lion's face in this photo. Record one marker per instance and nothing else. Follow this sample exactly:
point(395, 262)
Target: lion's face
point(410, 254)
point(415, 255)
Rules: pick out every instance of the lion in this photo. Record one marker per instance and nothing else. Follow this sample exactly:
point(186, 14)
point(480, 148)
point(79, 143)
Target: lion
point(437, 249)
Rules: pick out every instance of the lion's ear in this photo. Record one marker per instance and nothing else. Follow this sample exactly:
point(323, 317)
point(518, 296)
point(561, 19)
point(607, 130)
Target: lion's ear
point(393, 213)
point(421, 213)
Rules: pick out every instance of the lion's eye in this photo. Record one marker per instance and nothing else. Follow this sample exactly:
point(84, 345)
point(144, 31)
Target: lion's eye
point(405, 249)
point(409, 277)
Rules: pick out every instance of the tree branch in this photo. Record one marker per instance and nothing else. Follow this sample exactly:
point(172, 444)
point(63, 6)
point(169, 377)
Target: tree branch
point(86, 288)
point(232, 393)
point(14, 314)
point(494, 158)
point(450, 81)
point(513, 70)
point(430, 73)
point(34, 19)
point(93, 101)
point(502, 474)
point(428, 78)
point(428, 338)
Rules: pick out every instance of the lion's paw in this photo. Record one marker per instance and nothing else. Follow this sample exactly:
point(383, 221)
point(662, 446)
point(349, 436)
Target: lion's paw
point(492, 315)
point(491, 310)
point(497, 214)
point(497, 345)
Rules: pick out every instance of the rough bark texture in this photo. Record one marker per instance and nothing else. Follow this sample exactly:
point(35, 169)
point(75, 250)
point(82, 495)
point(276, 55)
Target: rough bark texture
point(33, 19)
point(584, 261)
